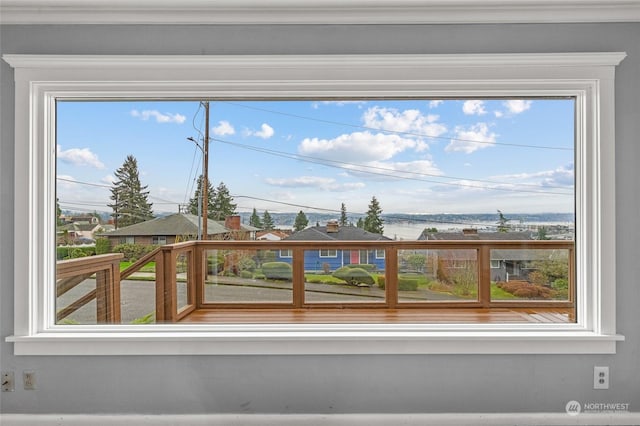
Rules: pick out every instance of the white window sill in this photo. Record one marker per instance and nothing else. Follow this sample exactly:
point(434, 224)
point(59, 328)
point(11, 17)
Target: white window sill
point(317, 342)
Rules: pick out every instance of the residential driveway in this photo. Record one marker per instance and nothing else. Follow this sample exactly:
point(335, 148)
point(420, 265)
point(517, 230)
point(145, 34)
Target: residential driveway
point(138, 297)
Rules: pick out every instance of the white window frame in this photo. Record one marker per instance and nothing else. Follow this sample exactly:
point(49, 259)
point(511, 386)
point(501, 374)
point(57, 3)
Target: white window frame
point(41, 79)
point(286, 253)
point(329, 253)
point(381, 254)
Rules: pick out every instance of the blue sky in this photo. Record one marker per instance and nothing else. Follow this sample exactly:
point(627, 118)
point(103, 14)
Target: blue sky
point(414, 156)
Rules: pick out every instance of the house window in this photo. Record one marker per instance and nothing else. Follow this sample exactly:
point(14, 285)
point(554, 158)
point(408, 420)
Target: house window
point(127, 240)
point(287, 253)
point(159, 240)
point(328, 253)
point(495, 264)
point(587, 79)
point(380, 254)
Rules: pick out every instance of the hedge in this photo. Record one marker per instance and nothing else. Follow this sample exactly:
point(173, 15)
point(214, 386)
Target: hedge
point(71, 252)
point(366, 266)
point(277, 271)
point(354, 276)
point(407, 284)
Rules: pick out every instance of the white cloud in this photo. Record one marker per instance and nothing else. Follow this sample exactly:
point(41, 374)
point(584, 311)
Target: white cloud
point(223, 128)
point(562, 176)
point(159, 116)
point(498, 114)
point(473, 107)
point(466, 139)
point(108, 179)
point(411, 121)
point(265, 132)
point(517, 106)
point(380, 170)
point(357, 147)
point(316, 182)
point(435, 103)
point(79, 157)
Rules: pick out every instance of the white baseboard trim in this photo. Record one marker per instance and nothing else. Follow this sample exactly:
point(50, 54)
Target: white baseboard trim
point(443, 419)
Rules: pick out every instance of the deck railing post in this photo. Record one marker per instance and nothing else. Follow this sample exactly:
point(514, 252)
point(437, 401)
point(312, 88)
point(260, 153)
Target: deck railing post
point(484, 275)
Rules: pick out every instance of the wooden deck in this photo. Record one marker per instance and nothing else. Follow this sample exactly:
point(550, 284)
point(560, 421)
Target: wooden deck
point(378, 316)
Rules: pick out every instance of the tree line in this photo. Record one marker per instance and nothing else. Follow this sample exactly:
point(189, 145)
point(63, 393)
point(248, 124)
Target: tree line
point(131, 205)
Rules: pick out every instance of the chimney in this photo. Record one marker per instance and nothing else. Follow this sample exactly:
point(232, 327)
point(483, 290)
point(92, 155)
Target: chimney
point(470, 231)
point(332, 227)
point(232, 223)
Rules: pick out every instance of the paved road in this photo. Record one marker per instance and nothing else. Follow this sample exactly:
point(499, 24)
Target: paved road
point(138, 297)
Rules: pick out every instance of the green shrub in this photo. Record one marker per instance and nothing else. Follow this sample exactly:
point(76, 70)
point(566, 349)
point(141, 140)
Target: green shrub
point(353, 276)
point(74, 252)
point(381, 281)
point(246, 263)
point(246, 274)
point(277, 271)
point(407, 284)
point(366, 266)
point(260, 276)
point(133, 252)
point(147, 319)
point(560, 284)
point(103, 246)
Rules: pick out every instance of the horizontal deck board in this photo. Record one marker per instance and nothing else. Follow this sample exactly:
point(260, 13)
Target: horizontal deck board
point(376, 316)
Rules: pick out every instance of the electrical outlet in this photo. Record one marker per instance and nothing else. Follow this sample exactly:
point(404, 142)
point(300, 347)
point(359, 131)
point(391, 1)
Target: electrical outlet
point(601, 377)
point(8, 381)
point(29, 379)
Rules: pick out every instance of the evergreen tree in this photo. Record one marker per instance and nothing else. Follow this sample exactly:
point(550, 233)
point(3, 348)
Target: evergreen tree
point(193, 202)
point(254, 220)
point(372, 221)
point(360, 223)
point(223, 204)
point(267, 221)
point(301, 221)
point(502, 222)
point(542, 233)
point(59, 221)
point(130, 203)
point(343, 215)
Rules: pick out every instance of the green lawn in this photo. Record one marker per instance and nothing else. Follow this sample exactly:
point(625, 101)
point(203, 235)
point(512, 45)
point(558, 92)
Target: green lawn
point(149, 267)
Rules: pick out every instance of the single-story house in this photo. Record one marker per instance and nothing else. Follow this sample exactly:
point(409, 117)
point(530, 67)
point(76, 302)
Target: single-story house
point(78, 228)
point(505, 264)
point(179, 227)
point(319, 260)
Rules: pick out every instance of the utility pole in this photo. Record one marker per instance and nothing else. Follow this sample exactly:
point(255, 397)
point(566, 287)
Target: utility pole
point(205, 171)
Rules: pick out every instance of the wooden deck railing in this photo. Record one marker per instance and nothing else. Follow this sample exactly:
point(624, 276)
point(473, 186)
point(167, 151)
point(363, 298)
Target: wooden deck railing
point(106, 268)
point(182, 270)
point(194, 277)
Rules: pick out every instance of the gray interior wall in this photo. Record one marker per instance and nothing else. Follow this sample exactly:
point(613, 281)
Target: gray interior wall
point(325, 384)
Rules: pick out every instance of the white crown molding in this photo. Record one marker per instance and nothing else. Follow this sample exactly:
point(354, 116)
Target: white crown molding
point(315, 11)
point(314, 61)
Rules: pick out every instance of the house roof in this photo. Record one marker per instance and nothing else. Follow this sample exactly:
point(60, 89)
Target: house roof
point(502, 236)
point(175, 224)
point(344, 233)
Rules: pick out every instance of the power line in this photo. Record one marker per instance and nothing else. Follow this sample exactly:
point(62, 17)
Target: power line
point(397, 132)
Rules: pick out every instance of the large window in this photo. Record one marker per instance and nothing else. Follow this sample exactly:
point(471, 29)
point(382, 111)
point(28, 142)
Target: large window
point(402, 104)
